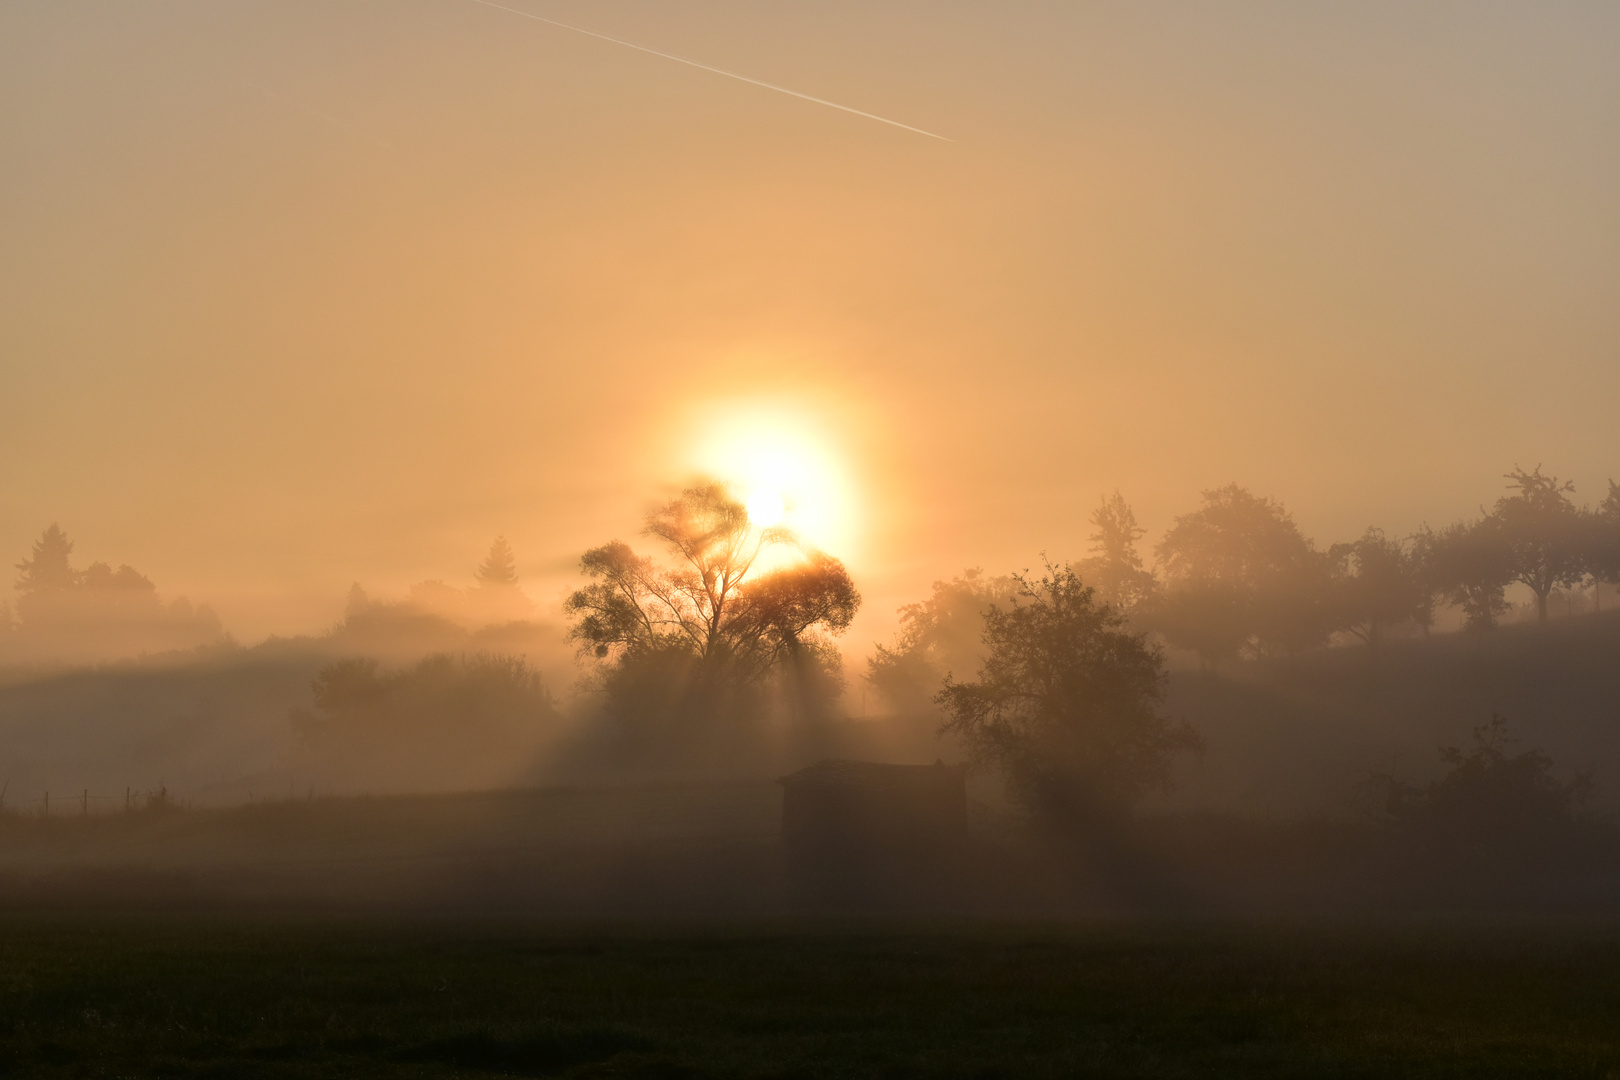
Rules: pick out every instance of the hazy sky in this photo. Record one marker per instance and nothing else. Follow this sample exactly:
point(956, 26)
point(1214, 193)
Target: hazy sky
point(294, 293)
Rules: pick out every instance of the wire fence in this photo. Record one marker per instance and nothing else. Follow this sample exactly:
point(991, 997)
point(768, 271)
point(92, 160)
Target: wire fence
point(82, 803)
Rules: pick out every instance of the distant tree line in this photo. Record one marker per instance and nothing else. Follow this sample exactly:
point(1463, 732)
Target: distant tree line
point(1055, 681)
point(1237, 578)
point(63, 612)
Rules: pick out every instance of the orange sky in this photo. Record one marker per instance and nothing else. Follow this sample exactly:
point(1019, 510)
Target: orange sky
point(295, 293)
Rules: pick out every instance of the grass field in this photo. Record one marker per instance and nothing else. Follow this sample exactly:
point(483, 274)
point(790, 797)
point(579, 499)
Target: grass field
point(335, 999)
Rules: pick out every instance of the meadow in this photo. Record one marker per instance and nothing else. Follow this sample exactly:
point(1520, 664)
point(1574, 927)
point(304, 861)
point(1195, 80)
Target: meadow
point(246, 998)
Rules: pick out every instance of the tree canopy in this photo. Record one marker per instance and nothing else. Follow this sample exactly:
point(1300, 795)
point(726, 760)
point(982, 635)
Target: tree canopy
point(1065, 704)
point(1467, 563)
point(1377, 584)
point(726, 605)
point(1542, 534)
point(1239, 576)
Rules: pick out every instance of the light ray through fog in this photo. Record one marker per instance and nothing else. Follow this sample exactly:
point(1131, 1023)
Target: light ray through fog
point(715, 70)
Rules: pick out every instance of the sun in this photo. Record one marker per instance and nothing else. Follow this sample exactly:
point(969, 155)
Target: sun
point(785, 468)
point(765, 508)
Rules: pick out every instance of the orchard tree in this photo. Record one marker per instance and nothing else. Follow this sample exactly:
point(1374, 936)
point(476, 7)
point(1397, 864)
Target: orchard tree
point(1468, 563)
point(1542, 533)
point(1377, 585)
point(1066, 703)
point(1115, 568)
point(1240, 577)
point(1603, 542)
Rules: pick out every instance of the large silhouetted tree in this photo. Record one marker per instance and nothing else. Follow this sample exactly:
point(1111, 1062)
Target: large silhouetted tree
point(1115, 568)
point(1240, 577)
point(1543, 534)
point(1066, 703)
point(729, 604)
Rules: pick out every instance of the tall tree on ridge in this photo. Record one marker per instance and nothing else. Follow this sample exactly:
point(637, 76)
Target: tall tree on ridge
point(1239, 577)
point(1470, 565)
point(1541, 530)
point(1603, 544)
point(1115, 568)
point(1376, 585)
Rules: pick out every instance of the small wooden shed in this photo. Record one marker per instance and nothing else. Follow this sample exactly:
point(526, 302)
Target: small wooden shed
point(837, 806)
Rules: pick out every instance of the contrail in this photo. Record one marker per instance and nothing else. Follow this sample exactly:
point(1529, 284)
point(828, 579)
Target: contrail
point(715, 70)
point(328, 117)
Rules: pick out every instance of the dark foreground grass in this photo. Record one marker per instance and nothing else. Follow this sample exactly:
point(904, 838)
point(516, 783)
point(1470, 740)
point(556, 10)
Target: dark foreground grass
point(240, 999)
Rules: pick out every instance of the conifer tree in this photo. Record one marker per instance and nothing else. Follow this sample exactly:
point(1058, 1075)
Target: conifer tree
point(499, 570)
point(48, 569)
point(1115, 568)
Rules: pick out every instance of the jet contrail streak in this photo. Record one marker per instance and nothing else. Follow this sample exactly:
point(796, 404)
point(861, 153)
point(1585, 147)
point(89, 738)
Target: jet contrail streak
point(328, 117)
point(715, 70)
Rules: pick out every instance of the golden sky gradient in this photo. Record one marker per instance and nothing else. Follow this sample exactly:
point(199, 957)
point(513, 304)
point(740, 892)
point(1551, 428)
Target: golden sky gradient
point(300, 292)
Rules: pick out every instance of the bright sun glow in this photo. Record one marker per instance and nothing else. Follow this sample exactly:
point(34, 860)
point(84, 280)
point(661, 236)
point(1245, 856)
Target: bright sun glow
point(765, 508)
point(782, 465)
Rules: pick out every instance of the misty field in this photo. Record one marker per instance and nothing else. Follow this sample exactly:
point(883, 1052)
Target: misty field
point(244, 999)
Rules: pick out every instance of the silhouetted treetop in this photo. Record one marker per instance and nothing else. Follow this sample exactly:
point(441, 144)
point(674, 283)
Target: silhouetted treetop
point(1377, 584)
point(1239, 576)
point(1235, 536)
point(1115, 567)
point(48, 567)
point(63, 613)
point(710, 599)
point(499, 568)
point(1542, 534)
point(1604, 543)
point(1468, 563)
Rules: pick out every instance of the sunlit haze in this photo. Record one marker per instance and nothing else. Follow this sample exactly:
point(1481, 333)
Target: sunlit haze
point(297, 294)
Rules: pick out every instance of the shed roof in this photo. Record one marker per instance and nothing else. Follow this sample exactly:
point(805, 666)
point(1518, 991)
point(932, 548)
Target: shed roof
point(876, 773)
